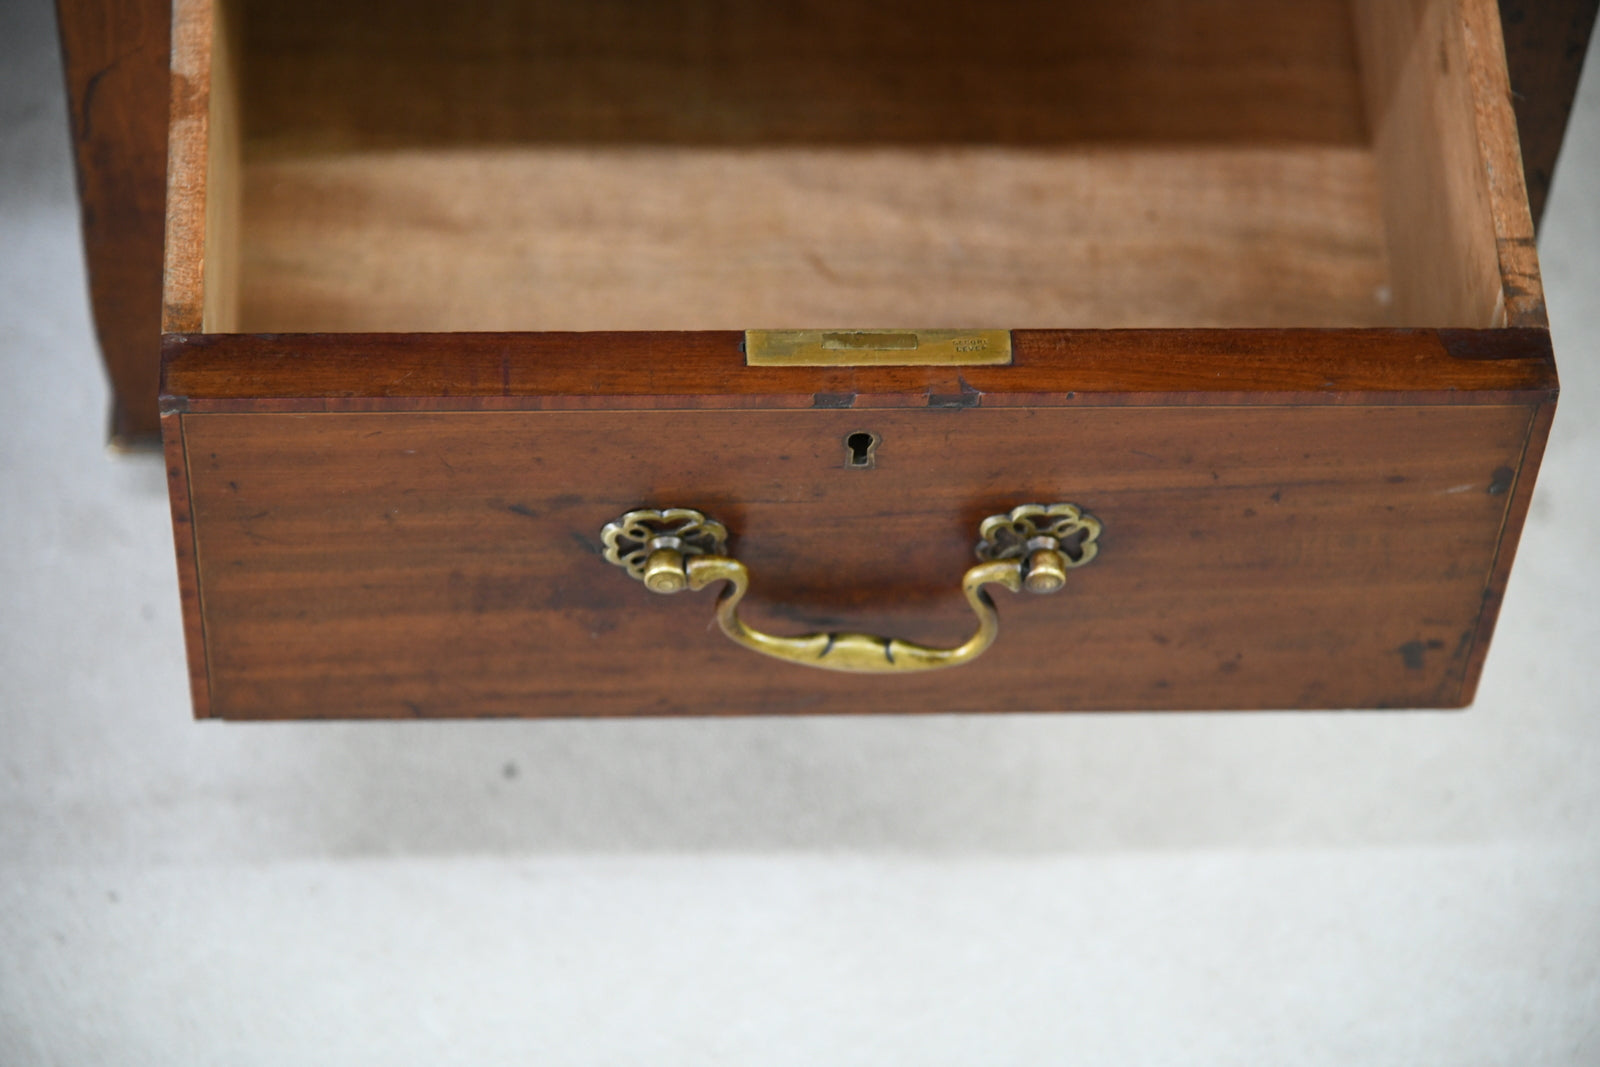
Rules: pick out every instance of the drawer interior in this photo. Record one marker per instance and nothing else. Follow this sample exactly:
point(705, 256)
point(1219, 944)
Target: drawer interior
point(413, 165)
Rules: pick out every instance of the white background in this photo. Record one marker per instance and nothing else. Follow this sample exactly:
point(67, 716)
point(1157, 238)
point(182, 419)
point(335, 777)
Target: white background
point(1358, 888)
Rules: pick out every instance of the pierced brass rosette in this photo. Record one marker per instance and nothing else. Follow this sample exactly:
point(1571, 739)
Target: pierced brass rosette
point(1027, 528)
point(631, 539)
point(1049, 539)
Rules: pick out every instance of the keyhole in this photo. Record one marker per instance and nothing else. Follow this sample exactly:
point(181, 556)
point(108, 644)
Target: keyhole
point(861, 446)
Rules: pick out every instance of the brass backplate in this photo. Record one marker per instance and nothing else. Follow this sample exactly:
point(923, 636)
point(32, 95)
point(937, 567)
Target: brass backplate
point(877, 348)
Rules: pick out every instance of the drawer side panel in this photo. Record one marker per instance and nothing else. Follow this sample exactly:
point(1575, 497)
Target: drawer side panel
point(183, 540)
point(1521, 494)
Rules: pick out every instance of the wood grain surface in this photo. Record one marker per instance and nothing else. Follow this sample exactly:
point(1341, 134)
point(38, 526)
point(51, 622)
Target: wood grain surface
point(115, 57)
point(203, 235)
point(400, 372)
point(587, 170)
point(1521, 497)
point(343, 490)
point(722, 164)
point(1521, 299)
point(188, 572)
point(1460, 240)
point(365, 74)
point(1545, 42)
point(673, 238)
point(445, 564)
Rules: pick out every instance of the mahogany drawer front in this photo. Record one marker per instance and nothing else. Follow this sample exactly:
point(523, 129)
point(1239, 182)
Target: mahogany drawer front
point(387, 553)
point(392, 524)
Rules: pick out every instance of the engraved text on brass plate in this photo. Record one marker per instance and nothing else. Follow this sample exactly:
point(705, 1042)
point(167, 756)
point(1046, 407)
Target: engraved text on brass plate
point(876, 348)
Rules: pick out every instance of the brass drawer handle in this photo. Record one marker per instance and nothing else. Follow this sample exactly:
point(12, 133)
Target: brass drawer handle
point(1032, 547)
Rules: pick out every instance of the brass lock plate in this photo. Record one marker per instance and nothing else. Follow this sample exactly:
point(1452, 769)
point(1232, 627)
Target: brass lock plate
point(877, 348)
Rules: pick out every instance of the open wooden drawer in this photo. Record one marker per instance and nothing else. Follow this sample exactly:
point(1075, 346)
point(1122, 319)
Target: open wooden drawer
point(1274, 317)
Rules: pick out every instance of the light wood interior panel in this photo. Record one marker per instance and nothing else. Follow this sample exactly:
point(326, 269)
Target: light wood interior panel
point(674, 238)
point(1460, 239)
point(204, 230)
point(699, 164)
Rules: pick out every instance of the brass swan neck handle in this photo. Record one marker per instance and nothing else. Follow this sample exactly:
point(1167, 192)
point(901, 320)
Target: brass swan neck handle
point(1030, 548)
